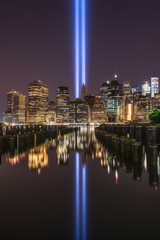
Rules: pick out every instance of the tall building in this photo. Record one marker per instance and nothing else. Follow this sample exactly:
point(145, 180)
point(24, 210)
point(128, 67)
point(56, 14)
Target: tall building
point(142, 107)
point(78, 111)
point(97, 111)
point(154, 86)
point(84, 91)
point(134, 89)
point(37, 102)
point(146, 88)
point(62, 105)
point(126, 87)
point(89, 100)
point(115, 101)
point(104, 93)
point(16, 105)
point(51, 114)
point(156, 101)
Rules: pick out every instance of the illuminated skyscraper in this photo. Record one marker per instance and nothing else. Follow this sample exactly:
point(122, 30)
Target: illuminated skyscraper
point(154, 86)
point(126, 87)
point(15, 108)
point(115, 101)
point(134, 89)
point(62, 105)
point(37, 102)
point(78, 111)
point(146, 88)
point(51, 114)
point(97, 111)
point(104, 93)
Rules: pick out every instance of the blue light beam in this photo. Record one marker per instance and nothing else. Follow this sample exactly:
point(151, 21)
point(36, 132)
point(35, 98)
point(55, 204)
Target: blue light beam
point(77, 47)
point(83, 39)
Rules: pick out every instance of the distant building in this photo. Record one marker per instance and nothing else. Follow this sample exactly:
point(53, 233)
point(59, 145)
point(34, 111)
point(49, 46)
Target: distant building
point(154, 86)
point(142, 107)
point(89, 100)
point(62, 105)
point(16, 105)
point(97, 110)
point(156, 101)
point(126, 87)
point(84, 91)
point(104, 93)
point(37, 102)
point(115, 101)
point(78, 111)
point(146, 88)
point(134, 89)
point(51, 114)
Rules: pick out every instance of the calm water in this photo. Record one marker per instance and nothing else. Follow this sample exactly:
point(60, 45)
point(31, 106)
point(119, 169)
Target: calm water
point(74, 188)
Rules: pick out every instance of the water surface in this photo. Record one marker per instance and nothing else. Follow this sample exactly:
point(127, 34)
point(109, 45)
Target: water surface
point(73, 187)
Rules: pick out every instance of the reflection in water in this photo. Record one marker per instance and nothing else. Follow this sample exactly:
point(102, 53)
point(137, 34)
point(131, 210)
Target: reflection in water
point(62, 150)
point(80, 199)
point(84, 202)
point(15, 158)
point(77, 190)
point(38, 158)
point(85, 143)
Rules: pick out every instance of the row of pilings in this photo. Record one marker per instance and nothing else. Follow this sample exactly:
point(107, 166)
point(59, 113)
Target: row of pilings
point(131, 142)
point(29, 137)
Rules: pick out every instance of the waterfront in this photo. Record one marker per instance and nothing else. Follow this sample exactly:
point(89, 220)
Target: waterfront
point(72, 187)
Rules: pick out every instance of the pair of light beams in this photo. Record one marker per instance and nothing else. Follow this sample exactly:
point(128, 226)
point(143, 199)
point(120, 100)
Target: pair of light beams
point(80, 45)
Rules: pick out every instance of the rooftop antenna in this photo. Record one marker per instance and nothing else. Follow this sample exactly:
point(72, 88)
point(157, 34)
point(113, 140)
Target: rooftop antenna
point(115, 74)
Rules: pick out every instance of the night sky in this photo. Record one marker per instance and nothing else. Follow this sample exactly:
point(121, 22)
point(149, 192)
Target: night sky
point(37, 42)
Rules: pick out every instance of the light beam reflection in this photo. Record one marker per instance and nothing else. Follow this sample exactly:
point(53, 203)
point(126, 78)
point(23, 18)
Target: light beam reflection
point(80, 191)
point(77, 199)
point(84, 202)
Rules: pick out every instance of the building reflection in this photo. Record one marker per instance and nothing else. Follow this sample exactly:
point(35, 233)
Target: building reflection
point(14, 157)
point(38, 158)
point(62, 149)
point(84, 142)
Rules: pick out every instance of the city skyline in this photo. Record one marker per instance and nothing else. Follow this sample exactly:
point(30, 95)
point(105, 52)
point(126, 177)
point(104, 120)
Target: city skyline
point(127, 40)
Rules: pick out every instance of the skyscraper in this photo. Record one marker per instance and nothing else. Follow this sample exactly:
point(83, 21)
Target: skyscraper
point(37, 102)
point(104, 93)
point(126, 87)
point(146, 88)
point(115, 101)
point(62, 105)
point(97, 111)
point(134, 89)
point(78, 111)
point(51, 114)
point(15, 108)
point(154, 86)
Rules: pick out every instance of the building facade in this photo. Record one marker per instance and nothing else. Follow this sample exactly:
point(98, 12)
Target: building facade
point(115, 101)
point(16, 107)
point(51, 114)
point(37, 102)
point(98, 111)
point(78, 111)
point(146, 88)
point(154, 86)
point(62, 105)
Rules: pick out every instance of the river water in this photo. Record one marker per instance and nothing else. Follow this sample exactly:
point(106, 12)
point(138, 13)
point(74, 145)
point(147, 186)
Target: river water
point(73, 187)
